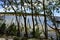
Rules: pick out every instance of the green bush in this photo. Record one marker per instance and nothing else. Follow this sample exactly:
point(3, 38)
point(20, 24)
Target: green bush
point(11, 30)
point(2, 28)
point(16, 38)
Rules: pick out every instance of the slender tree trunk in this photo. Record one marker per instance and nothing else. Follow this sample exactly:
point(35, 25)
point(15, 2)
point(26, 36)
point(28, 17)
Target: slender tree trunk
point(18, 32)
point(33, 20)
point(6, 38)
point(56, 30)
point(45, 21)
point(26, 34)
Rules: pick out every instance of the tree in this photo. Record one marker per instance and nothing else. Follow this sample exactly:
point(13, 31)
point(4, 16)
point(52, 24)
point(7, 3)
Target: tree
point(12, 30)
point(2, 29)
point(36, 7)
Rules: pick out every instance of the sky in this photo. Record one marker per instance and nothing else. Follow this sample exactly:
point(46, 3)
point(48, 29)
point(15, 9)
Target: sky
point(2, 9)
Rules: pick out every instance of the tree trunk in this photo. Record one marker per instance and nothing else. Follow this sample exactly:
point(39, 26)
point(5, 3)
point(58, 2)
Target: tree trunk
point(45, 21)
point(33, 20)
point(26, 33)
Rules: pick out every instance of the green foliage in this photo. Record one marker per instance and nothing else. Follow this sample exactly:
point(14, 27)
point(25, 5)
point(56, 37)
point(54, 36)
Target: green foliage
point(22, 29)
point(11, 30)
point(16, 38)
point(2, 28)
point(51, 38)
point(37, 32)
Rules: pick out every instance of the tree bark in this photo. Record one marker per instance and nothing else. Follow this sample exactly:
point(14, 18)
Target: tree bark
point(45, 21)
point(33, 20)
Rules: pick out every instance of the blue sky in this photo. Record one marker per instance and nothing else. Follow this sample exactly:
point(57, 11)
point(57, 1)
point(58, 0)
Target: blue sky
point(56, 14)
point(1, 9)
point(1, 3)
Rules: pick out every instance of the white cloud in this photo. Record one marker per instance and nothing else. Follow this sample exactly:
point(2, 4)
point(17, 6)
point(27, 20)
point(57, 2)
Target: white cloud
point(1, 10)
